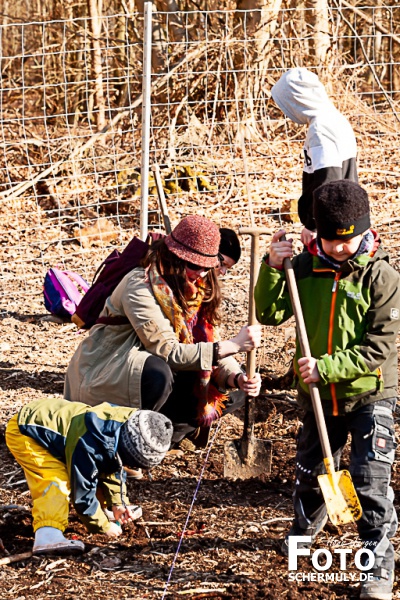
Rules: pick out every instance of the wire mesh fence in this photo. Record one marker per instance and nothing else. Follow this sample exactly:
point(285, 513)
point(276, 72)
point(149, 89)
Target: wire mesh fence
point(71, 112)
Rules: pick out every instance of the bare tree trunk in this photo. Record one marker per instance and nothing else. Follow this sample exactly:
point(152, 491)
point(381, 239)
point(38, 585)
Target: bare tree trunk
point(260, 20)
point(259, 24)
point(176, 26)
point(95, 11)
point(318, 18)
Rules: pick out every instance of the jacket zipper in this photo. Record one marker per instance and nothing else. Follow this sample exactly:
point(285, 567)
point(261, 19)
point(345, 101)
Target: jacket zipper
point(335, 410)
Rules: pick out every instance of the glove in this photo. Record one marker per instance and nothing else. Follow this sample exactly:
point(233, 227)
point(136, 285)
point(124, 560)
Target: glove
point(113, 530)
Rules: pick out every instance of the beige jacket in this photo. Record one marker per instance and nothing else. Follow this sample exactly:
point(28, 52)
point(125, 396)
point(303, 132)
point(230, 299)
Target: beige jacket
point(108, 364)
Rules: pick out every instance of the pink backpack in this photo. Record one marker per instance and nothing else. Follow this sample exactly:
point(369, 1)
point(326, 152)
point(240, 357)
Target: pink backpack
point(63, 291)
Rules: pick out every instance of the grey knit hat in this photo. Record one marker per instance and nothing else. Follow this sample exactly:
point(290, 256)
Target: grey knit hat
point(145, 438)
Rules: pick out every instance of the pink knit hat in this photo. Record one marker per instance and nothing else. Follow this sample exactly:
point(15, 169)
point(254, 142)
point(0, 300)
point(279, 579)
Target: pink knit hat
point(195, 239)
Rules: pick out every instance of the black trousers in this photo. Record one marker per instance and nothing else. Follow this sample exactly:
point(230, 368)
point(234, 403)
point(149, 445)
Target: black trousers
point(171, 393)
point(372, 453)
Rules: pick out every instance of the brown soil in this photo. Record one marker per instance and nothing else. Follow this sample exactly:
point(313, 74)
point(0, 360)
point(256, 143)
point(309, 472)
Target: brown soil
point(232, 530)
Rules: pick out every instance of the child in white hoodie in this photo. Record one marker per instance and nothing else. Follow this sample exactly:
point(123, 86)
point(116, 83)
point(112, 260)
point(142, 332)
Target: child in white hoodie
point(330, 147)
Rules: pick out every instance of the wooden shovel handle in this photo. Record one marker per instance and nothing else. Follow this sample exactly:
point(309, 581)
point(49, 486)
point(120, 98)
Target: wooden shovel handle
point(254, 233)
point(255, 251)
point(305, 350)
point(248, 424)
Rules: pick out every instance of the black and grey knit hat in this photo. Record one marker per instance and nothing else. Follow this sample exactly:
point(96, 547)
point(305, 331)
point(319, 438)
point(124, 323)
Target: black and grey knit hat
point(145, 438)
point(341, 210)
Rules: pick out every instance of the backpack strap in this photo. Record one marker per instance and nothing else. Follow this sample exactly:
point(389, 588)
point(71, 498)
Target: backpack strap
point(79, 280)
point(115, 254)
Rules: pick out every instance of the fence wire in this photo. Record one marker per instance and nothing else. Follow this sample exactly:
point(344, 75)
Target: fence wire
point(70, 127)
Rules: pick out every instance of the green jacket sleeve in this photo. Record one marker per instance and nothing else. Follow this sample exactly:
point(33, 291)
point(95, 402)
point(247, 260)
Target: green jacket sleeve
point(381, 332)
point(111, 489)
point(271, 296)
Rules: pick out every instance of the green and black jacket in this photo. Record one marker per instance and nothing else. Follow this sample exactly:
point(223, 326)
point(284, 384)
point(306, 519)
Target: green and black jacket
point(352, 317)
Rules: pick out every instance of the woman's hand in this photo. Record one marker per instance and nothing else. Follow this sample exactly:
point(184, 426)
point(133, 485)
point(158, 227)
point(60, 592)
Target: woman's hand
point(308, 369)
point(248, 338)
point(251, 387)
point(279, 250)
point(113, 530)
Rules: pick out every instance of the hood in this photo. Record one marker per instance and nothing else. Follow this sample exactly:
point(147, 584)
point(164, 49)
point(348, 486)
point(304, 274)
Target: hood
point(103, 437)
point(300, 95)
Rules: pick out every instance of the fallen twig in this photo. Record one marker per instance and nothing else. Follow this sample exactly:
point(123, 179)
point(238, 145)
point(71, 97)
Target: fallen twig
point(154, 523)
point(276, 520)
point(15, 558)
point(203, 592)
point(14, 507)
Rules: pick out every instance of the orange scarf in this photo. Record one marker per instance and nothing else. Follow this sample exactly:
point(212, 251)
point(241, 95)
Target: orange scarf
point(191, 328)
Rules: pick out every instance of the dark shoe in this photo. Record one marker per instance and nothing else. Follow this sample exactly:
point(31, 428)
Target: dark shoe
point(200, 437)
point(193, 441)
point(295, 530)
point(379, 588)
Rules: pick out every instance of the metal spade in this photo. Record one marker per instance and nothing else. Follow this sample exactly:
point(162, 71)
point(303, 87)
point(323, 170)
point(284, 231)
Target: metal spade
point(249, 457)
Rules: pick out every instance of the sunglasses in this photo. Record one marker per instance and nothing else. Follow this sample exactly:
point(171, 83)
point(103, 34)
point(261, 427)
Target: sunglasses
point(194, 267)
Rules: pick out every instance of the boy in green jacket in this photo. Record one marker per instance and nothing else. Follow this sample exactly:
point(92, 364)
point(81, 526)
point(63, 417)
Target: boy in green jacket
point(350, 297)
point(72, 449)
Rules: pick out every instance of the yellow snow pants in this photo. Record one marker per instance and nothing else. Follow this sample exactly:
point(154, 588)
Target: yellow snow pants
point(46, 476)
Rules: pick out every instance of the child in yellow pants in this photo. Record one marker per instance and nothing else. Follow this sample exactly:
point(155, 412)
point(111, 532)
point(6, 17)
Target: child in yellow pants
point(68, 449)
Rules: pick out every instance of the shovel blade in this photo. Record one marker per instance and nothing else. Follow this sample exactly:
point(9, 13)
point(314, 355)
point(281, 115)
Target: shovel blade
point(342, 503)
point(247, 461)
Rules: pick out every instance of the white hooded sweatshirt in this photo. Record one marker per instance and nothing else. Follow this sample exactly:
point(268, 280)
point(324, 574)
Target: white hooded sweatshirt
point(330, 147)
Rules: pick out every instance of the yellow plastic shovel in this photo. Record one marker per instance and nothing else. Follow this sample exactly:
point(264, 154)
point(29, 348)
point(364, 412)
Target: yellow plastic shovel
point(342, 503)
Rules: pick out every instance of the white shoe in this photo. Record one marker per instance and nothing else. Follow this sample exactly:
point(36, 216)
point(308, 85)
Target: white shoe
point(50, 540)
point(379, 588)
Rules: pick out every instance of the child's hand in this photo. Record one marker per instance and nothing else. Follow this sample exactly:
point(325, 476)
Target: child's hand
point(308, 369)
point(279, 250)
point(307, 236)
point(113, 531)
point(122, 515)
